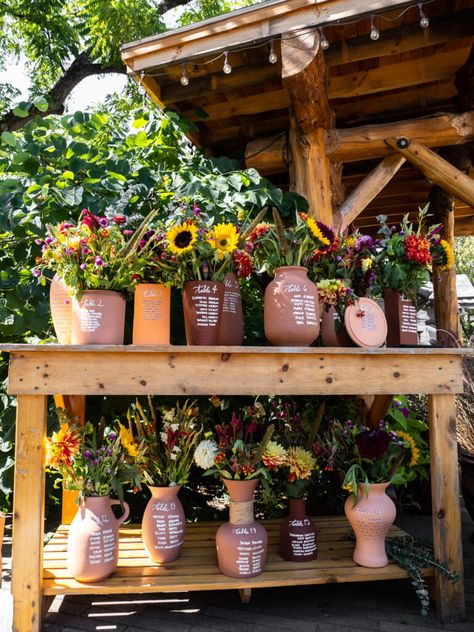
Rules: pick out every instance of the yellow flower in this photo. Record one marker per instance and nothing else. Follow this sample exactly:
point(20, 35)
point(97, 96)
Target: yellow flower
point(449, 254)
point(241, 214)
point(181, 238)
point(301, 463)
point(274, 455)
point(62, 446)
point(314, 228)
point(350, 241)
point(366, 264)
point(223, 238)
point(414, 451)
point(127, 441)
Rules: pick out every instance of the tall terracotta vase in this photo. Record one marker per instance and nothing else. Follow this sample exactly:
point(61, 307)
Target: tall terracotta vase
point(202, 307)
point(60, 303)
point(400, 313)
point(241, 543)
point(291, 308)
point(298, 534)
point(98, 318)
point(371, 518)
point(231, 330)
point(163, 524)
point(92, 546)
point(151, 315)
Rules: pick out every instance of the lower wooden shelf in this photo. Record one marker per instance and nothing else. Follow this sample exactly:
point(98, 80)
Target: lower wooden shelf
point(196, 568)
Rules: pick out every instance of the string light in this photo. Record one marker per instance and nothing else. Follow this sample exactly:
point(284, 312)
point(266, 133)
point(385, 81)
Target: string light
point(227, 68)
point(323, 39)
point(374, 32)
point(272, 58)
point(424, 22)
point(184, 77)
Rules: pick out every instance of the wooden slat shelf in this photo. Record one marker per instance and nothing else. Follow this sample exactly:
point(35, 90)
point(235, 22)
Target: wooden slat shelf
point(196, 568)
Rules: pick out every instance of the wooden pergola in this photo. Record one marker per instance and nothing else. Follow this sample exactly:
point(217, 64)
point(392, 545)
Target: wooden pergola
point(354, 127)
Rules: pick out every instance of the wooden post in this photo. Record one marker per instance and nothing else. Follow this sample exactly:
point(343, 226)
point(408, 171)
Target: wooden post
point(28, 513)
point(306, 78)
point(447, 541)
point(76, 408)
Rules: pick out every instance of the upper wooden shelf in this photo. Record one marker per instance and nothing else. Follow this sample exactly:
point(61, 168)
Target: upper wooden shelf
point(181, 370)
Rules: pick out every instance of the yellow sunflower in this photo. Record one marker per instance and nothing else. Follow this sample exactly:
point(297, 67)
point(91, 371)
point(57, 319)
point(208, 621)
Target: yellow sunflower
point(127, 441)
point(415, 453)
point(449, 255)
point(314, 228)
point(223, 238)
point(350, 241)
point(181, 238)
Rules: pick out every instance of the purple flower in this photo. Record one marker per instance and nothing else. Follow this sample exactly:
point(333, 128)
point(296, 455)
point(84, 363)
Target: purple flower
point(405, 411)
point(362, 242)
point(44, 248)
point(349, 423)
point(98, 262)
point(38, 242)
point(372, 444)
point(85, 251)
point(83, 266)
point(111, 436)
point(36, 272)
point(103, 222)
point(87, 454)
point(48, 240)
point(196, 210)
point(142, 243)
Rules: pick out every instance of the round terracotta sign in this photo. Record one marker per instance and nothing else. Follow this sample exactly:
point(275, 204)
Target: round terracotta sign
point(365, 323)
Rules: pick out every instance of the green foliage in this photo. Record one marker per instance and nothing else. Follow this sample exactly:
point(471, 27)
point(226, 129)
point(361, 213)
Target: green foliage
point(464, 250)
point(209, 8)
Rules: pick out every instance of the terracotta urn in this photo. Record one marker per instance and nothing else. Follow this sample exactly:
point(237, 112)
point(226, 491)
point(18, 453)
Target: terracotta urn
point(291, 308)
point(163, 524)
point(400, 313)
point(298, 534)
point(202, 307)
point(98, 318)
point(241, 543)
point(151, 314)
point(92, 546)
point(231, 330)
point(371, 518)
point(60, 303)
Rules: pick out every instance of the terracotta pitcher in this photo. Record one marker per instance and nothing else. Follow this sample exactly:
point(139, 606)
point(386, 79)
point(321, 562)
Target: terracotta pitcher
point(151, 315)
point(371, 518)
point(298, 534)
point(231, 330)
point(98, 318)
point(202, 306)
point(92, 546)
point(163, 524)
point(241, 543)
point(60, 303)
point(291, 308)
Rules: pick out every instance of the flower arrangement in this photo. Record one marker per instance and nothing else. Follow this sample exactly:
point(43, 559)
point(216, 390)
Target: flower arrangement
point(235, 450)
point(334, 292)
point(94, 254)
point(166, 445)
point(365, 455)
point(274, 245)
point(406, 256)
point(92, 462)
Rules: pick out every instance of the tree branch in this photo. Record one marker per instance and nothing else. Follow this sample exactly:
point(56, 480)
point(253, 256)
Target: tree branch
point(80, 68)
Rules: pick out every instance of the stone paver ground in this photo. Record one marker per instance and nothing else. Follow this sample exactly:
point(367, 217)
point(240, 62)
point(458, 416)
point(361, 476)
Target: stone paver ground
point(382, 606)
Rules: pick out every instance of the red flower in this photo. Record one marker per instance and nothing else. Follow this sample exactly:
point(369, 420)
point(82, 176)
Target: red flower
point(417, 249)
point(88, 219)
point(119, 219)
point(243, 262)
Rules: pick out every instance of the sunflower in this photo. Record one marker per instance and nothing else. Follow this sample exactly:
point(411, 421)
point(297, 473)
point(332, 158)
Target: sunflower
point(448, 255)
point(316, 231)
point(181, 238)
point(414, 451)
point(223, 238)
point(127, 441)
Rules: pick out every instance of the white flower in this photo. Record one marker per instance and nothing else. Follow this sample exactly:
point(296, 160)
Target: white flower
point(174, 427)
point(169, 415)
point(164, 436)
point(176, 449)
point(205, 454)
point(173, 456)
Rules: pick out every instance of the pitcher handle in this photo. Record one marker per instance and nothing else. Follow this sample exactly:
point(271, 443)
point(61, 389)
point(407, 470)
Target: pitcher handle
point(126, 509)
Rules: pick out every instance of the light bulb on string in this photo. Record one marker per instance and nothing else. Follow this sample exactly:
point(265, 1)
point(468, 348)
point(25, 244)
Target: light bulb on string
point(424, 22)
point(227, 68)
point(323, 39)
point(272, 58)
point(141, 89)
point(184, 77)
point(374, 32)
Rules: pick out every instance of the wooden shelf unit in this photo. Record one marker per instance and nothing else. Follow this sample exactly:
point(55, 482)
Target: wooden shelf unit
point(36, 371)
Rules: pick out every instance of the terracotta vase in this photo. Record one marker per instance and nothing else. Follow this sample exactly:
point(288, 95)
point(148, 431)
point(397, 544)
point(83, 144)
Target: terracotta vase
point(151, 314)
point(92, 546)
point(60, 303)
point(400, 313)
point(333, 334)
point(98, 318)
point(231, 330)
point(163, 524)
point(202, 307)
point(371, 519)
point(298, 534)
point(291, 308)
point(241, 543)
